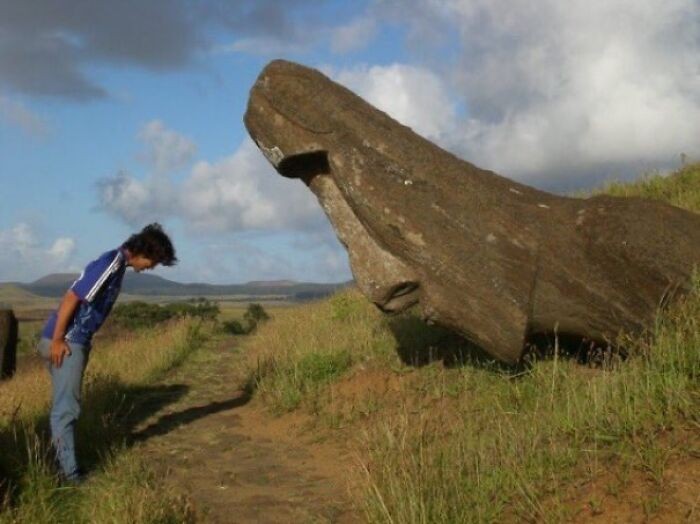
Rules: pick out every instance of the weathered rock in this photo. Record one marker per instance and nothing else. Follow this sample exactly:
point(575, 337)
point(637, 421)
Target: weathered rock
point(495, 260)
point(8, 343)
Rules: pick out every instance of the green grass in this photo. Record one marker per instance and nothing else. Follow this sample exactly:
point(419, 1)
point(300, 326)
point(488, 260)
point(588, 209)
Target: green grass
point(302, 350)
point(121, 487)
point(681, 188)
point(509, 445)
point(461, 439)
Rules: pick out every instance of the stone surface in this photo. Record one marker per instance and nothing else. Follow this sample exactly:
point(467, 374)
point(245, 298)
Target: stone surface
point(8, 343)
point(495, 260)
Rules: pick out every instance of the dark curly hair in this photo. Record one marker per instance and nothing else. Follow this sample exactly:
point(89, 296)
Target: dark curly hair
point(153, 243)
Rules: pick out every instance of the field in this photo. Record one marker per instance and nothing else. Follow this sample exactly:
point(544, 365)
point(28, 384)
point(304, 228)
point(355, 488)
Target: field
point(333, 412)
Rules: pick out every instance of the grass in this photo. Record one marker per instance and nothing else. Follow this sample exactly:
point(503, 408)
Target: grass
point(681, 188)
point(476, 442)
point(442, 434)
point(458, 438)
point(122, 489)
point(303, 349)
point(509, 446)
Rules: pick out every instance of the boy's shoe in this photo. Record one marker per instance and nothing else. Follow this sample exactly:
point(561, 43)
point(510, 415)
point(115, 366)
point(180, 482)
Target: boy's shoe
point(77, 478)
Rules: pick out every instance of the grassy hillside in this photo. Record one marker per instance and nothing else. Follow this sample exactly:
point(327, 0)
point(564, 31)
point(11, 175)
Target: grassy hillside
point(444, 435)
point(681, 188)
point(440, 433)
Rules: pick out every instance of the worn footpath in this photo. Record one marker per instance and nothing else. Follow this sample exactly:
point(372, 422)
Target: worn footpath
point(235, 461)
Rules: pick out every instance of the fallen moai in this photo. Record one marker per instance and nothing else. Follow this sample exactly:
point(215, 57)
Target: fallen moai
point(8, 343)
point(495, 260)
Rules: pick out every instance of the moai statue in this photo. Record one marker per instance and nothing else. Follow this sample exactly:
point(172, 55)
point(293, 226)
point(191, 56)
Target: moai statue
point(496, 261)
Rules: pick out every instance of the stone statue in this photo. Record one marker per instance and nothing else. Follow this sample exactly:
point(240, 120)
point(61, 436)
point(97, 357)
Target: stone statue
point(8, 343)
point(497, 261)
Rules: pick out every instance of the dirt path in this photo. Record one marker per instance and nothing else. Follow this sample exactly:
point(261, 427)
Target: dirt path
point(236, 462)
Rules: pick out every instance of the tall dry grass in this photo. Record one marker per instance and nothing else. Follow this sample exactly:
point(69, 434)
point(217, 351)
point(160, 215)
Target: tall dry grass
point(122, 489)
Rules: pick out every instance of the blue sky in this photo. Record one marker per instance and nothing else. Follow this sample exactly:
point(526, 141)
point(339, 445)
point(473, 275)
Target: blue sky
point(116, 114)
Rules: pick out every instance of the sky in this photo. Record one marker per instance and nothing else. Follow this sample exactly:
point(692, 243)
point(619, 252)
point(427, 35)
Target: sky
point(117, 114)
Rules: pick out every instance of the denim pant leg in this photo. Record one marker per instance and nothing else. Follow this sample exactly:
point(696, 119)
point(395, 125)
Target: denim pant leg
point(66, 381)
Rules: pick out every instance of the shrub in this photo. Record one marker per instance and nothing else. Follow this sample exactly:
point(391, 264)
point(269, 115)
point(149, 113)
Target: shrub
point(254, 315)
point(138, 315)
point(234, 327)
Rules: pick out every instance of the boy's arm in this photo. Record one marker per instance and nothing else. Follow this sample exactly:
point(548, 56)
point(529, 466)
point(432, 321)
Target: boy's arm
point(59, 348)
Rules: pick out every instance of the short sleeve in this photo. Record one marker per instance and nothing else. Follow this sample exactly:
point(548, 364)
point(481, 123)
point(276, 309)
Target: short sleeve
point(93, 277)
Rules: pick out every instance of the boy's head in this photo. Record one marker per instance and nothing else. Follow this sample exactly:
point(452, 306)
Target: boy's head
point(149, 248)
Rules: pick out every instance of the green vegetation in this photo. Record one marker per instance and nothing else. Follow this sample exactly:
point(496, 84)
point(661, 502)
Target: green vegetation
point(450, 436)
point(303, 349)
point(254, 315)
point(509, 446)
point(140, 315)
point(681, 188)
point(441, 433)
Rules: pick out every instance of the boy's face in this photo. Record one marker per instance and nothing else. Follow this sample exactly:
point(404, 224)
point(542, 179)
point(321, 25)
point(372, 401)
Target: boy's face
point(140, 262)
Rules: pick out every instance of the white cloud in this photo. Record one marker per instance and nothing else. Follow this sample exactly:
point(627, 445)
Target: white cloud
point(25, 256)
point(243, 192)
point(355, 35)
point(165, 149)
point(415, 96)
point(62, 248)
point(559, 89)
point(137, 202)
point(237, 193)
point(18, 115)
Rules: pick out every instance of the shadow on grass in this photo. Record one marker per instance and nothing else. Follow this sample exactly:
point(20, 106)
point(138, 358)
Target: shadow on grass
point(111, 413)
point(420, 344)
point(171, 421)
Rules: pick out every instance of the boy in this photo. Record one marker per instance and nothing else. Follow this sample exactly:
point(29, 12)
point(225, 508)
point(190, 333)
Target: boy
point(66, 337)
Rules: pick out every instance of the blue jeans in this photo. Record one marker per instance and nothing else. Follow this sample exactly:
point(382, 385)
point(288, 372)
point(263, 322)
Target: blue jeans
point(66, 384)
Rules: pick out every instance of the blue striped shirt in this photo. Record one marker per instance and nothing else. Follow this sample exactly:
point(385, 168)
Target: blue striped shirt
point(98, 287)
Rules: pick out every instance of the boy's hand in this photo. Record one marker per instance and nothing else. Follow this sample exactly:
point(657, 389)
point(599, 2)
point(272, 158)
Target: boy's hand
point(59, 349)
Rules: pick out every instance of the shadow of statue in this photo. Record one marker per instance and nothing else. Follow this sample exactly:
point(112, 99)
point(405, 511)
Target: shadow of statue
point(420, 344)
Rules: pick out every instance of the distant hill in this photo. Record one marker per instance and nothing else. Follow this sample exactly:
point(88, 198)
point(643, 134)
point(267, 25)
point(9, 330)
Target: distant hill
point(14, 296)
point(270, 283)
point(54, 285)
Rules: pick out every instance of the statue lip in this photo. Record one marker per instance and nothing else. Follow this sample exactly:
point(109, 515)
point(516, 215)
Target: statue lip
point(401, 297)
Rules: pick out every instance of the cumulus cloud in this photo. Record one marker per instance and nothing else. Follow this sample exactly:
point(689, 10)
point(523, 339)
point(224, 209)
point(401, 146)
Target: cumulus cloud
point(559, 89)
point(25, 256)
point(242, 191)
point(137, 201)
point(19, 115)
point(415, 96)
point(239, 192)
point(165, 150)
